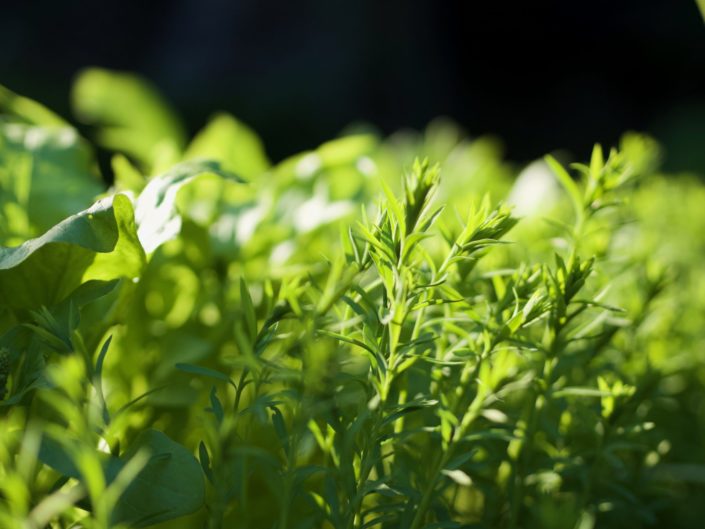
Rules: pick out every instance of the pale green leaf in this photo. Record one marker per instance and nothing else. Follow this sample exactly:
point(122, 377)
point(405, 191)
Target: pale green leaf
point(132, 116)
point(233, 144)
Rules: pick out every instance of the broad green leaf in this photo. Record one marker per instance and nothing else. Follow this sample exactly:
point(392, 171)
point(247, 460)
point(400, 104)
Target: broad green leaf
point(169, 486)
point(55, 455)
point(46, 174)
point(233, 144)
point(132, 116)
point(127, 256)
point(156, 213)
point(98, 243)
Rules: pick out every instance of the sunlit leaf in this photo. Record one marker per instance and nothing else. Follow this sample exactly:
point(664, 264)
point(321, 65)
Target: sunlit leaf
point(98, 243)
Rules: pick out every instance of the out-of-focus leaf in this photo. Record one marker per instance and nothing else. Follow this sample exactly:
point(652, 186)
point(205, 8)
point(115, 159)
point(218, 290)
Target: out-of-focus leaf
point(233, 144)
point(47, 172)
point(580, 392)
point(98, 243)
point(126, 175)
point(679, 472)
point(169, 486)
point(346, 149)
point(54, 454)
point(205, 372)
point(341, 151)
point(27, 109)
point(568, 184)
point(131, 115)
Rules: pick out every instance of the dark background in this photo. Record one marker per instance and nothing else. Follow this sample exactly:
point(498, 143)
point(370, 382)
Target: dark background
point(540, 75)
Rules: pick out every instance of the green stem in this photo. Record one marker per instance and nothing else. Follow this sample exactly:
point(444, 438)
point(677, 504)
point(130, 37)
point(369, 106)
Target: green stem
point(523, 458)
point(366, 465)
point(425, 502)
point(354, 518)
point(469, 417)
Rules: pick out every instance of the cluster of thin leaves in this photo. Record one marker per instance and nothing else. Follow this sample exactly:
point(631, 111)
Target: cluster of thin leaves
point(232, 343)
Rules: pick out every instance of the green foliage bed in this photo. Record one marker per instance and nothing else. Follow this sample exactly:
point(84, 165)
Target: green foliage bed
point(355, 337)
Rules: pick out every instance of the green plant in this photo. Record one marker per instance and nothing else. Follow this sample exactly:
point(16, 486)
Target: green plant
point(222, 342)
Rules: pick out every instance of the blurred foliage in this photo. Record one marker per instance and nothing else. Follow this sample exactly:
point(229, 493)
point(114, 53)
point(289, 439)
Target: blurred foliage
point(217, 341)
